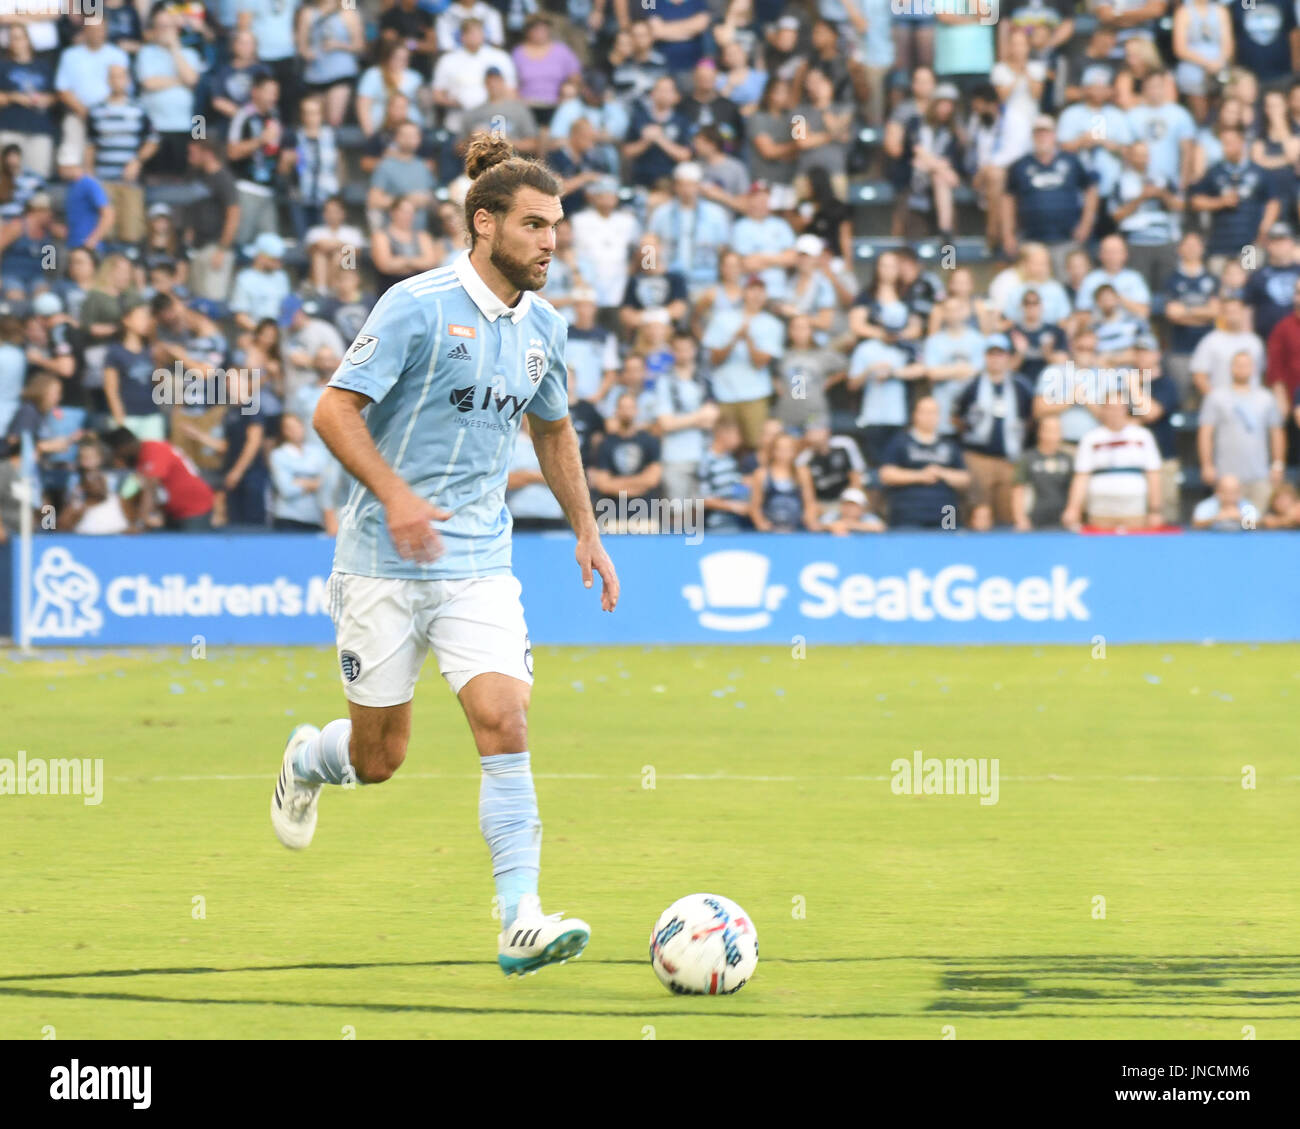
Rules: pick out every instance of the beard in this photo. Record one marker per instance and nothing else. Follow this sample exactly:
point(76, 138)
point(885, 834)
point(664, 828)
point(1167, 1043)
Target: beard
point(520, 273)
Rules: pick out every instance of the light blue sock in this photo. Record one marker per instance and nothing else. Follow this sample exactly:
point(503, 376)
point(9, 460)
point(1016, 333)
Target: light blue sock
point(507, 815)
point(325, 759)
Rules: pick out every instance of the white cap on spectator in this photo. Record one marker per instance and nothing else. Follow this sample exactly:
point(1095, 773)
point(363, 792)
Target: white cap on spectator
point(1002, 75)
point(46, 305)
point(1095, 76)
point(688, 170)
point(788, 23)
point(809, 245)
point(946, 92)
point(270, 245)
point(584, 294)
point(853, 494)
point(1045, 121)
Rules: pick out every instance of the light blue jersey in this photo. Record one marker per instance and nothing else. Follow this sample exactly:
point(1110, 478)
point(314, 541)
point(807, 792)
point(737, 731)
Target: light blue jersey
point(451, 370)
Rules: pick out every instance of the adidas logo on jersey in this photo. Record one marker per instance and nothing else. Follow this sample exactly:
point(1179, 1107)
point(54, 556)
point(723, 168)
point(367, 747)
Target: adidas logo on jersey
point(460, 353)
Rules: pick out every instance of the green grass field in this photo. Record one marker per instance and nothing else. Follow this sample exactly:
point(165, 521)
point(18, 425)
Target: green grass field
point(879, 915)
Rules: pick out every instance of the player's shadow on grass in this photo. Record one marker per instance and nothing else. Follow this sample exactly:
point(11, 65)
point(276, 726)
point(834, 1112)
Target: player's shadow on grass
point(1006, 985)
point(994, 987)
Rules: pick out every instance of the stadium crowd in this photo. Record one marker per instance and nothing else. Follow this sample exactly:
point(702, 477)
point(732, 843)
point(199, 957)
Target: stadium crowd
point(832, 265)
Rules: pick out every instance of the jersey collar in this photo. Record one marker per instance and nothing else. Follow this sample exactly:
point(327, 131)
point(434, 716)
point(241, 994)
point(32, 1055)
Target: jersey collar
point(490, 306)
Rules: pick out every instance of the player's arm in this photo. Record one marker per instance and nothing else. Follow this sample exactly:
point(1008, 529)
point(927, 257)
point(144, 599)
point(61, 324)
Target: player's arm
point(556, 445)
point(338, 422)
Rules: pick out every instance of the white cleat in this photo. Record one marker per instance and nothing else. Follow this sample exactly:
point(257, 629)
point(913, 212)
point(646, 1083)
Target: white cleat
point(536, 939)
point(293, 803)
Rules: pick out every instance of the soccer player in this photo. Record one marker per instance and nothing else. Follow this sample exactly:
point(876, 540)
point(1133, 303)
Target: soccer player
point(423, 413)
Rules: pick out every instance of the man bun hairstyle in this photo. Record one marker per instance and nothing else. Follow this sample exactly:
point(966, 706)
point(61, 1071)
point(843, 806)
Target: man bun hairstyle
point(498, 172)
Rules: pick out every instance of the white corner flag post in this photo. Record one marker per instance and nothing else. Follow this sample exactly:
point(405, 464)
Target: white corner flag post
point(24, 489)
point(23, 492)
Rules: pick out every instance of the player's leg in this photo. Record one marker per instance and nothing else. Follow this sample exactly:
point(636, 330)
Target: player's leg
point(481, 642)
point(382, 644)
point(496, 707)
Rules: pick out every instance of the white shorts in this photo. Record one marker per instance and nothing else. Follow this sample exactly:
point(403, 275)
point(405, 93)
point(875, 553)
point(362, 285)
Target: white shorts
point(1117, 504)
point(385, 627)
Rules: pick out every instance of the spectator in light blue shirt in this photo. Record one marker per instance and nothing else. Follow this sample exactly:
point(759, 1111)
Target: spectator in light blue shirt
point(610, 118)
point(590, 352)
point(693, 231)
point(1166, 127)
point(881, 371)
point(953, 356)
point(83, 68)
point(300, 476)
point(1096, 130)
point(260, 289)
point(742, 344)
point(271, 21)
point(685, 420)
point(765, 241)
point(13, 369)
point(528, 497)
point(1225, 509)
point(1134, 294)
point(167, 74)
point(82, 83)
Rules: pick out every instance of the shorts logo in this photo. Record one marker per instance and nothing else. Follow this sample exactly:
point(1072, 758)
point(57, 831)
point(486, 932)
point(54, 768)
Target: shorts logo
point(535, 365)
point(363, 348)
point(528, 655)
point(351, 665)
point(461, 331)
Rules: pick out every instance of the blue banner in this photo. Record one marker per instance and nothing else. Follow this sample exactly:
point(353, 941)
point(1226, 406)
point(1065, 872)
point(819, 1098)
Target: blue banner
point(747, 588)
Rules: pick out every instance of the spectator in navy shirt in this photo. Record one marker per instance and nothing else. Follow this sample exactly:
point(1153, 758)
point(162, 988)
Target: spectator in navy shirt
point(679, 28)
point(1050, 198)
point(1264, 32)
point(27, 99)
point(1237, 193)
point(991, 414)
point(1190, 306)
point(923, 473)
point(704, 106)
point(231, 86)
point(662, 135)
point(580, 162)
point(1037, 343)
point(1155, 398)
point(1271, 288)
point(628, 462)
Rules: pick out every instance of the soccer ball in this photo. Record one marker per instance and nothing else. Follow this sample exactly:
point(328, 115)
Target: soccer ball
point(704, 945)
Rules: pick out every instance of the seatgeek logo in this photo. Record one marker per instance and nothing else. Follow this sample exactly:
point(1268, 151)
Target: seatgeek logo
point(735, 594)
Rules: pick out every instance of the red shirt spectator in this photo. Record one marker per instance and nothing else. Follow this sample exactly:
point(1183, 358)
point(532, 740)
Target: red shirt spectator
point(188, 505)
point(1284, 354)
point(187, 494)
